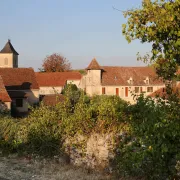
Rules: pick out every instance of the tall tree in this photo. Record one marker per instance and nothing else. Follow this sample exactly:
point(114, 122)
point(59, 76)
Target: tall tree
point(55, 63)
point(157, 22)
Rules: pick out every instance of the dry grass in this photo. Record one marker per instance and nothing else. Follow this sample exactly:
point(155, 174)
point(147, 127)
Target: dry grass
point(16, 168)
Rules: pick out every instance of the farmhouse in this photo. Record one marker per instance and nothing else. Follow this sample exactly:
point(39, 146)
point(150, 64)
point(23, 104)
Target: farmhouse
point(121, 81)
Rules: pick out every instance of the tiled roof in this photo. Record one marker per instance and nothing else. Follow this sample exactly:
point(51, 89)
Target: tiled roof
point(52, 100)
point(162, 92)
point(94, 65)
point(113, 75)
point(19, 78)
point(56, 78)
point(4, 97)
point(8, 48)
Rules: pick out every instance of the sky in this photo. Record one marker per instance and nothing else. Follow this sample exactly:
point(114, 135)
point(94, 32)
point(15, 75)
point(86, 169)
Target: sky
point(77, 29)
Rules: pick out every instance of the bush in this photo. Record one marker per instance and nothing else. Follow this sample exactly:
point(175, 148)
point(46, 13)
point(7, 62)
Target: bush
point(39, 133)
point(152, 150)
point(96, 113)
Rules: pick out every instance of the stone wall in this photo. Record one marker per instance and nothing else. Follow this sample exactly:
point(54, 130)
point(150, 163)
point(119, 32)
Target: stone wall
point(94, 151)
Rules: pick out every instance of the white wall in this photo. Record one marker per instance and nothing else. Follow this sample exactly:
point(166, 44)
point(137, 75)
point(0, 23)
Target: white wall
point(8, 105)
point(76, 82)
point(9, 58)
point(50, 90)
point(111, 90)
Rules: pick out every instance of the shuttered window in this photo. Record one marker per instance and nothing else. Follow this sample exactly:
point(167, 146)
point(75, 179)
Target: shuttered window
point(149, 89)
point(126, 91)
point(117, 91)
point(103, 90)
point(136, 89)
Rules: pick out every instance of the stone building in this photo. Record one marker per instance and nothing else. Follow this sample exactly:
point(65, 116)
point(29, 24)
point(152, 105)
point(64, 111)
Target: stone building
point(20, 83)
point(54, 82)
point(125, 82)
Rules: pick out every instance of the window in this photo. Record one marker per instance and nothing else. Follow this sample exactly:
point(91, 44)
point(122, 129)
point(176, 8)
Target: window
point(19, 102)
point(136, 89)
point(141, 89)
point(5, 61)
point(103, 90)
point(149, 89)
point(126, 91)
point(146, 81)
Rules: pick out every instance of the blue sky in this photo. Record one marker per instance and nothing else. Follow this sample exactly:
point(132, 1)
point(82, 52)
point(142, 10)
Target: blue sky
point(77, 29)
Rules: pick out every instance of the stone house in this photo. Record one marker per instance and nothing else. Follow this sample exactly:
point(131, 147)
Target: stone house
point(124, 82)
point(20, 83)
point(54, 82)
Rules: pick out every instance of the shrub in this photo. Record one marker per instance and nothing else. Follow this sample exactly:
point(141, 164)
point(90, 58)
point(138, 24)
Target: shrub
point(39, 133)
point(152, 148)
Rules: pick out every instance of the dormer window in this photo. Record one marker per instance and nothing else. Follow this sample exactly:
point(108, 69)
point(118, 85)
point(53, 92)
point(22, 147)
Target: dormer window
point(130, 81)
point(146, 81)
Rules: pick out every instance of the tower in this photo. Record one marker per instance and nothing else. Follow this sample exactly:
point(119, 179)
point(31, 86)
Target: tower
point(8, 56)
point(94, 72)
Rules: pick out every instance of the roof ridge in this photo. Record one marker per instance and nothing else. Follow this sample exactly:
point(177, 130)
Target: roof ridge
point(128, 66)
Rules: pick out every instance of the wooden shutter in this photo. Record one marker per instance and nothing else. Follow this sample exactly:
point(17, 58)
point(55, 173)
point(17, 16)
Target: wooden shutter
point(126, 91)
point(117, 91)
point(103, 90)
point(140, 89)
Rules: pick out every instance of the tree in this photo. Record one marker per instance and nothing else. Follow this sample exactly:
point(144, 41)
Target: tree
point(55, 63)
point(157, 22)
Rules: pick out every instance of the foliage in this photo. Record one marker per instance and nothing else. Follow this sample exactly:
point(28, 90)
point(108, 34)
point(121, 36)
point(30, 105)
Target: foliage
point(82, 71)
point(88, 114)
point(38, 134)
point(43, 131)
point(55, 63)
point(157, 22)
point(152, 148)
point(3, 109)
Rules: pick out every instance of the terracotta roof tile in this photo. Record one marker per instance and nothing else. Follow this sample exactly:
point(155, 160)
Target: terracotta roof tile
point(94, 65)
point(52, 100)
point(19, 78)
point(56, 78)
point(162, 92)
point(4, 97)
point(113, 75)
point(8, 48)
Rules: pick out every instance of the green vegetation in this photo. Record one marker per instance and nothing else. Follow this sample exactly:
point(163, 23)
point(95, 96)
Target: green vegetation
point(150, 131)
point(41, 132)
point(157, 22)
point(149, 146)
point(152, 148)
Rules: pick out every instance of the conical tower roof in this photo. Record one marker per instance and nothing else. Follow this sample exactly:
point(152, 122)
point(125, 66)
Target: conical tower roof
point(8, 48)
point(94, 65)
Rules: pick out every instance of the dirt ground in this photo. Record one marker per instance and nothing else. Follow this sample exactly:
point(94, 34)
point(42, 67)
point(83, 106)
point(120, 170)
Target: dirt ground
point(25, 168)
